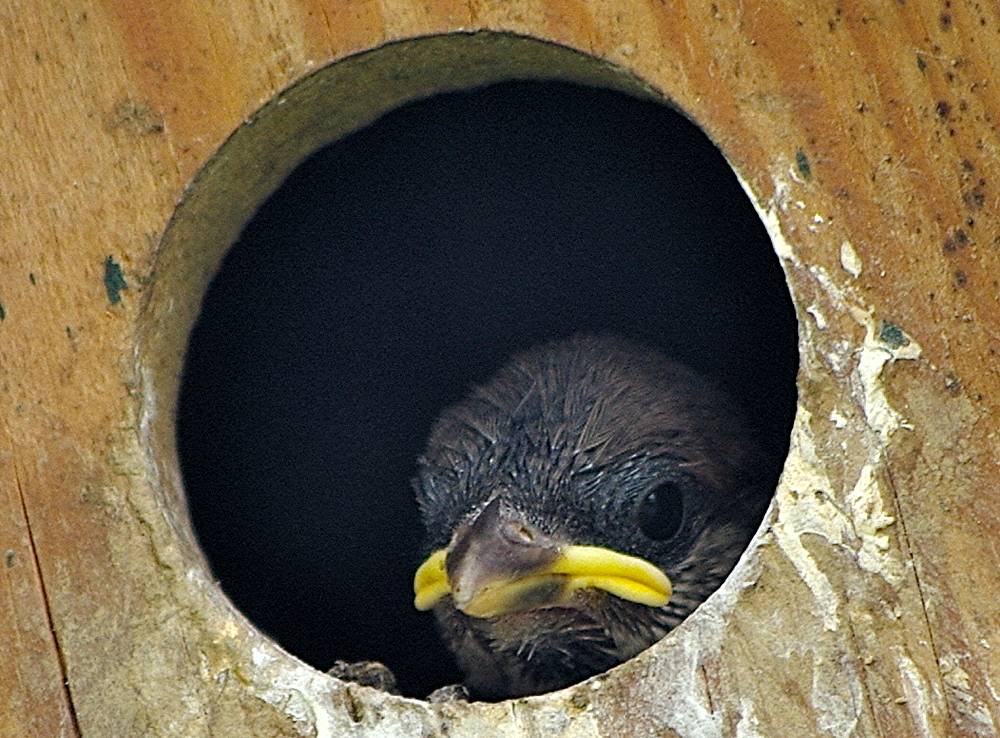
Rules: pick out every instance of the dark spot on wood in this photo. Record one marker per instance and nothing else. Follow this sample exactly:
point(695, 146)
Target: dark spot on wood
point(945, 21)
point(921, 64)
point(955, 241)
point(968, 165)
point(943, 109)
point(961, 278)
point(975, 198)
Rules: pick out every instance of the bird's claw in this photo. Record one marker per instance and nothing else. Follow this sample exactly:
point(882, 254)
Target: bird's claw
point(449, 693)
point(365, 673)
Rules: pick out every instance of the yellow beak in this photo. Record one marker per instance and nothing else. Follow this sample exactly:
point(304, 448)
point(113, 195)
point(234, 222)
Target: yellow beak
point(547, 585)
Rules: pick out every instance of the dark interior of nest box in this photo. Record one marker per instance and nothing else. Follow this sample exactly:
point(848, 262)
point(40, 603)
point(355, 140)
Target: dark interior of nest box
point(407, 261)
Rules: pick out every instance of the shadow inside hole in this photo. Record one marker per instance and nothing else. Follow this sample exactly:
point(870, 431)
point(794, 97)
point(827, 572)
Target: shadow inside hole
point(409, 260)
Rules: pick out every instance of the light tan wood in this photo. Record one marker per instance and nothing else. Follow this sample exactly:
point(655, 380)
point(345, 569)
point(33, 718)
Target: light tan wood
point(866, 135)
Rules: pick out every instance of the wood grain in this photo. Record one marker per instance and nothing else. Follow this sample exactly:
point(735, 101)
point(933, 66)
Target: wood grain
point(866, 134)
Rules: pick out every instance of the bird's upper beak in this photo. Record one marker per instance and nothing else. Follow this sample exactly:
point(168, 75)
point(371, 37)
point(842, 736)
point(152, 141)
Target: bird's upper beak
point(499, 563)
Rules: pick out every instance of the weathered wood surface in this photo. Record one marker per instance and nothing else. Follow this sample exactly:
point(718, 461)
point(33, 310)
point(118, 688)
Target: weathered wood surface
point(866, 133)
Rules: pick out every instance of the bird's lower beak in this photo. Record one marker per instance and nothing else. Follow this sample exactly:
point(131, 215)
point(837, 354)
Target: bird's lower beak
point(499, 564)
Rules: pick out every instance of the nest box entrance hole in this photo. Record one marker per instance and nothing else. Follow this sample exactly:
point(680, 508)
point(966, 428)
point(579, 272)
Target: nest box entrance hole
point(438, 233)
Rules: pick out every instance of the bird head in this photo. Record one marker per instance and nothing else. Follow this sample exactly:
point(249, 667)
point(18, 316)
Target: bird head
point(578, 506)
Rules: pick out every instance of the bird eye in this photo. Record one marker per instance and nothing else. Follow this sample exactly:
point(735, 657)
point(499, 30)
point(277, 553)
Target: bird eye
point(662, 511)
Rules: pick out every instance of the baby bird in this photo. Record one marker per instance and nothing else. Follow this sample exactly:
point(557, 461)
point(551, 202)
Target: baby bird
point(578, 506)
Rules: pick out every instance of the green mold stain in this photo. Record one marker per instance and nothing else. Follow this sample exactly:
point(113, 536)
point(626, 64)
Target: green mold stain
point(921, 64)
point(803, 163)
point(114, 280)
point(892, 336)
